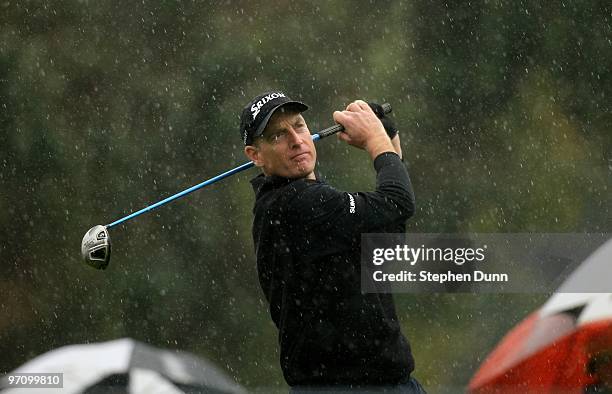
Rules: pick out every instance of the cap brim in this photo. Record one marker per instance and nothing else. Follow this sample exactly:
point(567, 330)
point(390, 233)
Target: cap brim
point(262, 126)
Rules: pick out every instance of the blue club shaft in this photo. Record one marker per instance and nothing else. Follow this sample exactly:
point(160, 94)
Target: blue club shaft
point(183, 193)
point(192, 189)
point(315, 137)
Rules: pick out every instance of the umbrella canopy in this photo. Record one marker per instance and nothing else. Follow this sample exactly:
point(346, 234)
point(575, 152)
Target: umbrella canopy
point(563, 347)
point(127, 366)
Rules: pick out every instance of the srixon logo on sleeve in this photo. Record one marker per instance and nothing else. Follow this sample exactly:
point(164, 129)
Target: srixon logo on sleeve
point(255, 108)
point(351, 204)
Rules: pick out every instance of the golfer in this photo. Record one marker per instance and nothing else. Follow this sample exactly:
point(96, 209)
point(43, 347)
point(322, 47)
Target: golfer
point(307, 239)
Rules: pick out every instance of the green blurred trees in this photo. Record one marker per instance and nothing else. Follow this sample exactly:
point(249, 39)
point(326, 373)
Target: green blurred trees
point(106, 107)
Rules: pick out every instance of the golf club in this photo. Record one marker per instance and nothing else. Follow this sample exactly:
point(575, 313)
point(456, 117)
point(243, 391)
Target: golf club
point(96, 244)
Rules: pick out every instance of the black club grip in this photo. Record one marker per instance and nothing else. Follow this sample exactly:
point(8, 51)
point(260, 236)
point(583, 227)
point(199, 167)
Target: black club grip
point(338, 127)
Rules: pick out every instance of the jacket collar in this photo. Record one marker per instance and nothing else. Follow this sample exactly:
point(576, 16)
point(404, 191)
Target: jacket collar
point(262, 183)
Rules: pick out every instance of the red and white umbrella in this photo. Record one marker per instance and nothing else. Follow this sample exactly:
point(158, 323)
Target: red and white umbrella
point(563, 347)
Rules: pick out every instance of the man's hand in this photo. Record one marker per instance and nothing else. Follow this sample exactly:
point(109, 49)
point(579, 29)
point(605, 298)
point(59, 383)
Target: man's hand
point(385, 119)
point(363, 129)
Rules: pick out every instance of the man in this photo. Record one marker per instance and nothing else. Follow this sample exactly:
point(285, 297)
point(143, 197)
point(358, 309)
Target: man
point(307, 241)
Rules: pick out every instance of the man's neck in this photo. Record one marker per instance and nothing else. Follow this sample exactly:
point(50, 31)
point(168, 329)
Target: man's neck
point(310, 176)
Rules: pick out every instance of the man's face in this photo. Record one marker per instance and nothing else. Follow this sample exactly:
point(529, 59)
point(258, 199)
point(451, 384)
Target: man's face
point(285, 148)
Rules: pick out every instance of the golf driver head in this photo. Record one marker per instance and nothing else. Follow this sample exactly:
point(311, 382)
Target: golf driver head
point(96, 247)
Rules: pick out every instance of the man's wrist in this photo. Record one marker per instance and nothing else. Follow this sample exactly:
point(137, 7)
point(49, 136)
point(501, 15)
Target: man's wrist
point(378, 145)
point(395, 141)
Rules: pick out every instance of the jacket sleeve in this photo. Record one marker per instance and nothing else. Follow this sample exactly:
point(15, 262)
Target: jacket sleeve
point(319, 207)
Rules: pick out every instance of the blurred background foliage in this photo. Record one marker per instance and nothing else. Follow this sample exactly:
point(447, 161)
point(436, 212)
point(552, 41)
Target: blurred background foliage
point(106, 107)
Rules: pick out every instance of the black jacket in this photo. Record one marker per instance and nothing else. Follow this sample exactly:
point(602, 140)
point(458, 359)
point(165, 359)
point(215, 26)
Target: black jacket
point(307, 241)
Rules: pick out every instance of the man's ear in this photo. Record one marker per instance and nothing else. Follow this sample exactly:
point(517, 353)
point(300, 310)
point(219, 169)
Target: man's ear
point(252, 152)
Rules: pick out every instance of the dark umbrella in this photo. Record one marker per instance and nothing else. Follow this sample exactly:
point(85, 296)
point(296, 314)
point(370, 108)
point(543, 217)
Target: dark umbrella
point(128, 366)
